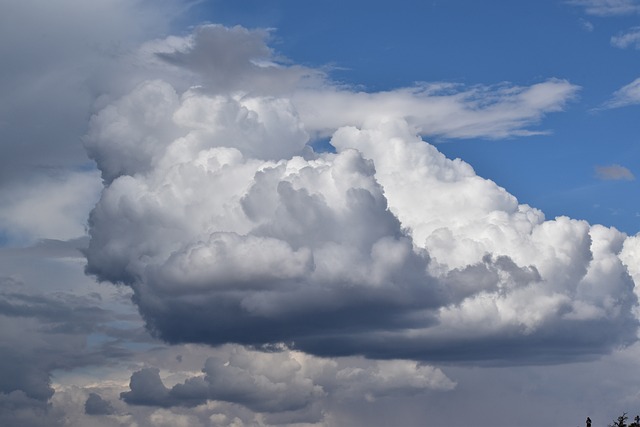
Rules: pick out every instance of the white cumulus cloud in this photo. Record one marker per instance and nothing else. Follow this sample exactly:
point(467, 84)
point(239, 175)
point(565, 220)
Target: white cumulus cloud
point(231, 229)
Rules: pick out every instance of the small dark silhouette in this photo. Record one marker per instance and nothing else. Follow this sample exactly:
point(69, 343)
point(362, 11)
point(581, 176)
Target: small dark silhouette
point(622, 421)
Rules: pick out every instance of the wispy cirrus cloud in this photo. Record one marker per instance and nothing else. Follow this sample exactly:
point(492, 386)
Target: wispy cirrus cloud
point(625, 96)
point(608, 7)
point(630, 38)
point(440, 109)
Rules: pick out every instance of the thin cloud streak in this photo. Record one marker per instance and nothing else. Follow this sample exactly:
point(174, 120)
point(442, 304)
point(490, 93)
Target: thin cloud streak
point(608, 7)
point(625, 96)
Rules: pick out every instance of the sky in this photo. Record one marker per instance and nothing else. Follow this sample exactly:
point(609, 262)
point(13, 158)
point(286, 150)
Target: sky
point(252, 213)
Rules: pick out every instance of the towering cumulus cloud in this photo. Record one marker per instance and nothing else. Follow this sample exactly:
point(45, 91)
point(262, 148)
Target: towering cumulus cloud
point(229, 228)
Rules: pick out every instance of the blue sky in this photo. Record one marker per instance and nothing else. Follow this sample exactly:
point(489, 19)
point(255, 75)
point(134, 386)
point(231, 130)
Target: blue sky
point(244, 213)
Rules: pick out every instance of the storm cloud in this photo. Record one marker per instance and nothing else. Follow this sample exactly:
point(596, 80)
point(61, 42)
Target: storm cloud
point(229, 228)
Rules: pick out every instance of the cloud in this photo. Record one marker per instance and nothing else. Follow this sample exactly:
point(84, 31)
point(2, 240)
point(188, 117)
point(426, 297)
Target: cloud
point(439, 109)
point(629, 39)
point(230, 229)
point(285, 386)
point(626, 95)
point(587, 25)
point(96, 405)
point(608, 7)
point(147, 389)
point(55, 319)
point(48, 339)
point(250, 67)
point(18, 409)
point(205, 154)
point(59, 58)
point(614, 172)
point(358, 391)
point(49, 206)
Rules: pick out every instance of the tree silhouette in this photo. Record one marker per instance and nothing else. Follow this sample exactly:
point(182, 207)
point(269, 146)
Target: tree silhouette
point(621, 421)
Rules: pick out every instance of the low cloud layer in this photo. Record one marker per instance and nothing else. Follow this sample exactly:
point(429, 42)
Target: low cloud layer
point(231, 229)
point(287, 387)
point(53, 320)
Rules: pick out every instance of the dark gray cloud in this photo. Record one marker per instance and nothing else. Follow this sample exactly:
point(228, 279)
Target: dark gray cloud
point(53, 321)
point(61, 313)
point(25, 373)
point(251, 66)
point(232, 384)
point(18, 409)
point(147, 389)
point(96, 405)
